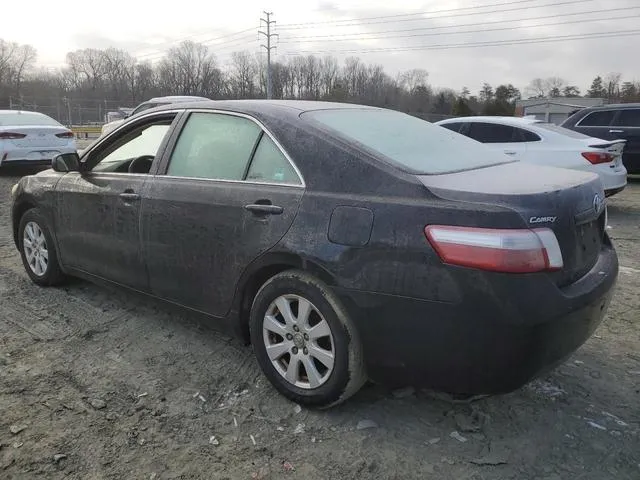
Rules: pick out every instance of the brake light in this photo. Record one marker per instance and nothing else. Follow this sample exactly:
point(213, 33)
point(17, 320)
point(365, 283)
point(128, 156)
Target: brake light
point(497, 250)
point(598, 157)
point(65, 135)
point(11, 135)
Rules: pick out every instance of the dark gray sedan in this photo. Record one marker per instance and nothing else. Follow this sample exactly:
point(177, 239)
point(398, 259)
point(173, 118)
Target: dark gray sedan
point(344, 242)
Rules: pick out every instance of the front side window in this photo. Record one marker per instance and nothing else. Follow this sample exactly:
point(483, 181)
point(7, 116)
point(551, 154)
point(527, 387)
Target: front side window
point(214, 146)
point(598, 119)
point(270, 165)
point(411, 144)
point(142, 142)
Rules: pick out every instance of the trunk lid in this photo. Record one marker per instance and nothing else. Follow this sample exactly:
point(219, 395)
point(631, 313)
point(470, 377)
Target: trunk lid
point(38, 136)
point(569, 202)
point(613, 147)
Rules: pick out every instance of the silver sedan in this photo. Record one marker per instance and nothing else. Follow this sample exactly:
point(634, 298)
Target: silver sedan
point(32, 138)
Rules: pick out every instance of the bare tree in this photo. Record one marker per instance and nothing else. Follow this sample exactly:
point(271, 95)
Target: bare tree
point(612, 85)
point(537, 88)
point(88, 63)
point(24, 61)
point(243, 74)
point(414, 78)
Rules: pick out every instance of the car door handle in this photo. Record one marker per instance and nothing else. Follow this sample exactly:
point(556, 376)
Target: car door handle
point(616, 131)
point(510, 152)
point(129, 196)
point(262, 209)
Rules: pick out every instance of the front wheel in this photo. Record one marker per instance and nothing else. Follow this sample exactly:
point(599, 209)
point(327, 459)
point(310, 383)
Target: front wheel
point(37, 249)
point(305, 341)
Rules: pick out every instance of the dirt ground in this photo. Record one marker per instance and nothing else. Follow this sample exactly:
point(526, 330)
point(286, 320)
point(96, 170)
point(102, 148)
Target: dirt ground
point(96, 383)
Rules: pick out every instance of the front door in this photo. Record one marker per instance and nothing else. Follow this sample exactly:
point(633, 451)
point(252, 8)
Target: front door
point(98, 210)
point(228, 194)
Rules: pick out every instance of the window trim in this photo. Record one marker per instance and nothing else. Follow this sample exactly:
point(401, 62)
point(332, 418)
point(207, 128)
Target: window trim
point(615, 114)
point(134, 123)
point(162, 171)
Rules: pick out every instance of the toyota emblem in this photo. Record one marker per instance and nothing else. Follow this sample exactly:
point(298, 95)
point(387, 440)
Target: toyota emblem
point(597, 204)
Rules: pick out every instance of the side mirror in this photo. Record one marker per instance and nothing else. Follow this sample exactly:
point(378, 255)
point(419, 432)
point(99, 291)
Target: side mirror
point(66, 162)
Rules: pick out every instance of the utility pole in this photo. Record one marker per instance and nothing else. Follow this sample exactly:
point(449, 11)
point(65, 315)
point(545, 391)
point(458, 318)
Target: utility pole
point(268, 46)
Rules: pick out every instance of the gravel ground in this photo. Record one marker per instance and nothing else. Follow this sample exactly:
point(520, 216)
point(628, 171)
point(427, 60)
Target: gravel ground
point(97, 383)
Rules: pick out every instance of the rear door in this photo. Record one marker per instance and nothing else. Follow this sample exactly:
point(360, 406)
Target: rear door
point(226, 193)
point(501, 138)
point(626, 126)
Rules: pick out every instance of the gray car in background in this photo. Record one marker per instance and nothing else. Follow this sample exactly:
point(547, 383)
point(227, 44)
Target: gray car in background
point(152, 103)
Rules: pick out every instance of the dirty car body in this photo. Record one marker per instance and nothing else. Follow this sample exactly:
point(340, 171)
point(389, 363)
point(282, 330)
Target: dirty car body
point(458, 269)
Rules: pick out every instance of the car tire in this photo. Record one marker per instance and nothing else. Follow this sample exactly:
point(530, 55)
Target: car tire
point(35, 243)
point(334, 340)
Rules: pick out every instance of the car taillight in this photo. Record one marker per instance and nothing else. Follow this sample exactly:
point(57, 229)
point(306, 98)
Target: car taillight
point(65, 135)
point(11, 135)
point(598, 157)
point(497, 250)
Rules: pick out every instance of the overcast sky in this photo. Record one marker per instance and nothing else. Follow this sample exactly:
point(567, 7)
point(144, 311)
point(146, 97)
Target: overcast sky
point(344, 28)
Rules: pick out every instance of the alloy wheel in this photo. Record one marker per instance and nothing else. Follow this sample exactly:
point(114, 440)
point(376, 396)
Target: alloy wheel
point(299, 341)
point(35, 248)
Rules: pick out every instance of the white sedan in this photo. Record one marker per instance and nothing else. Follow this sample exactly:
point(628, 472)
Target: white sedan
point(534, 141)
point(32, 138)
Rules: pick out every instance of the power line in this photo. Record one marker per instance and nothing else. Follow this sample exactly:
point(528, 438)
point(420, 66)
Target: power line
point(513, 2)
point(442, 27)
point(216, 47)
point(494, 43)
point(498, 29)
point(203, 41)
point(361, 22)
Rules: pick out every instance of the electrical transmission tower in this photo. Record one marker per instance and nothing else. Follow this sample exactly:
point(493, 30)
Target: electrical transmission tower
point(268, 35)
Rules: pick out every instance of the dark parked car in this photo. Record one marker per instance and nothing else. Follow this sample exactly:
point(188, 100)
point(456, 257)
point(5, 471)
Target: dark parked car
point(612, 122)
point(344, 242)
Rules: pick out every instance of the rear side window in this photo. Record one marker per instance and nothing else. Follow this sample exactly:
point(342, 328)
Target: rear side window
point(598, 119)
point(453, 126)
point(214, 146)
point(628, 118)
point(409, 143)
point(270, 165)
point(493, 133)
point(528, 136)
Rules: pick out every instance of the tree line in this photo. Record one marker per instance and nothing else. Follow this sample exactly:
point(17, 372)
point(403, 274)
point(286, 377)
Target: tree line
point(94, 81)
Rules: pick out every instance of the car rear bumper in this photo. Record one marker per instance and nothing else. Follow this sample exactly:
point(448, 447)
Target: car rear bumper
point(473, 348)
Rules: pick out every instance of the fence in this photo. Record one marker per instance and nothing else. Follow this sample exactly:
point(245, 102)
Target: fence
point(68, 111)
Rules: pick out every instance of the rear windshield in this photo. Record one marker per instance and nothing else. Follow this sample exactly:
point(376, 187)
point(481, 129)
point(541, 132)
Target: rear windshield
point(26, 118)
point(561, 130)
point(412, 144)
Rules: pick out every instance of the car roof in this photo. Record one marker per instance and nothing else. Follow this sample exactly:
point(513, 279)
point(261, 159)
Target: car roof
point(493, 119)
point(176, 99)
point(611, 106)
point(266, 106)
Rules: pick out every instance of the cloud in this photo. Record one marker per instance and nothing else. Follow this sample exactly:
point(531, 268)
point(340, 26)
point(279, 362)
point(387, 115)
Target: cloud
point(148, 32)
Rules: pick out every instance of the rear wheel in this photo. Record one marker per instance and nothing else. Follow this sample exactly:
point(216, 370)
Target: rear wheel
point(37, 250)
point(305, 341)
